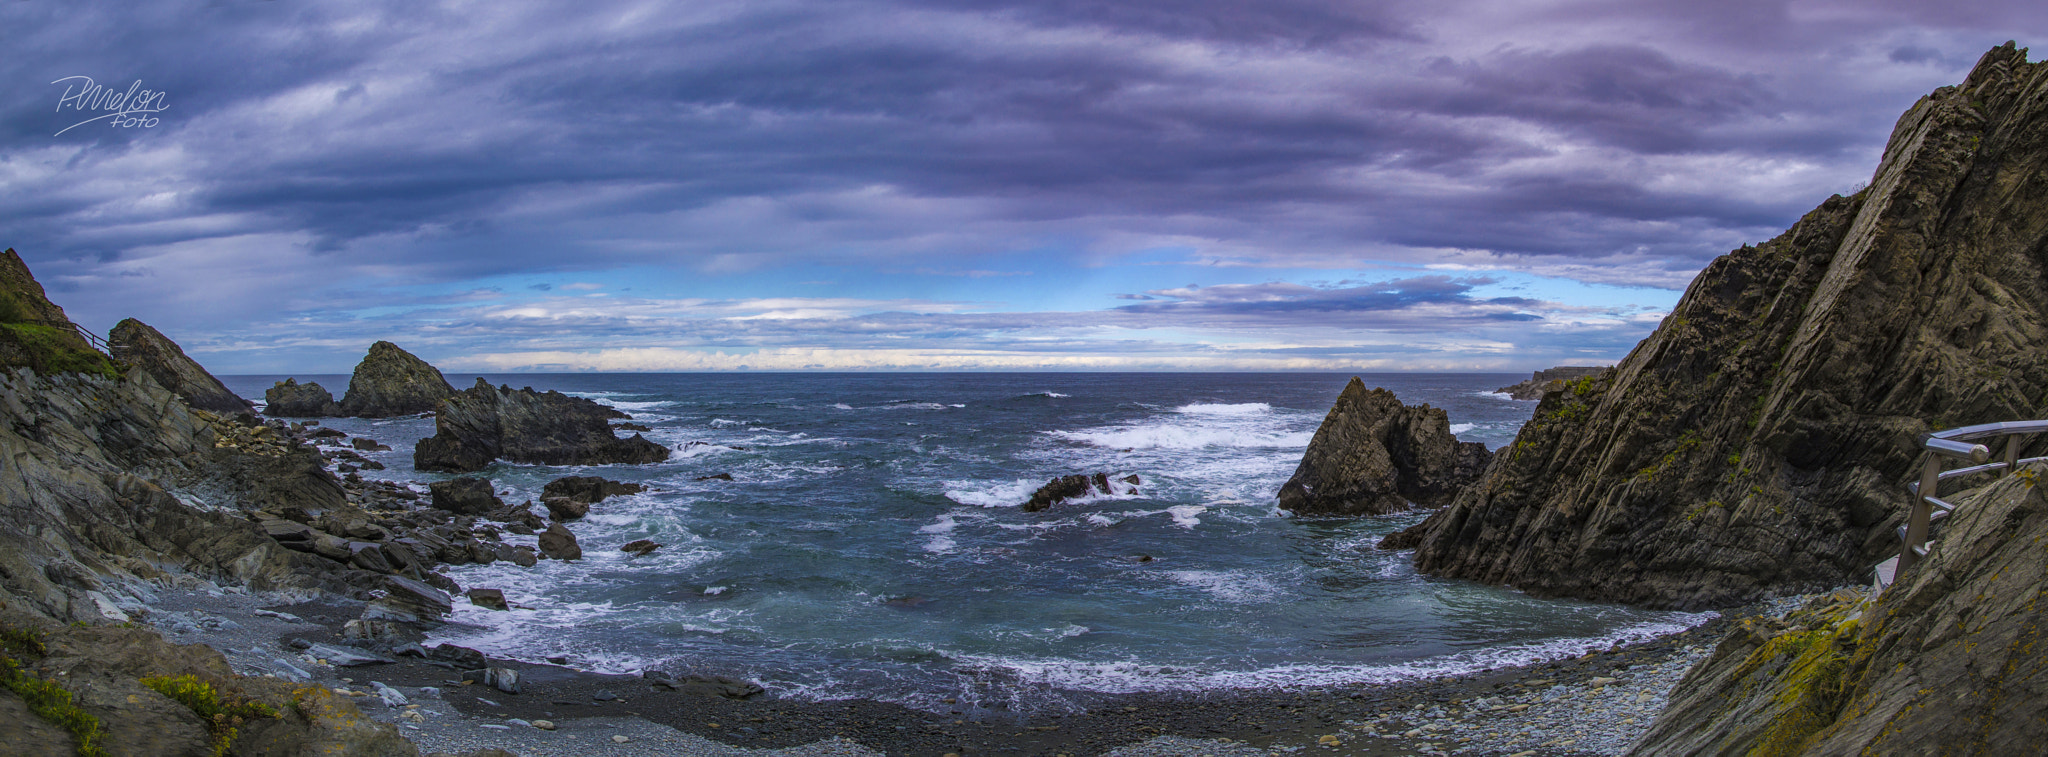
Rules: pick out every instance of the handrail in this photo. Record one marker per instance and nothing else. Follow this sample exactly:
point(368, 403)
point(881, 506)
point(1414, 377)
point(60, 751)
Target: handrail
point(1955, 443)
point(90, 338)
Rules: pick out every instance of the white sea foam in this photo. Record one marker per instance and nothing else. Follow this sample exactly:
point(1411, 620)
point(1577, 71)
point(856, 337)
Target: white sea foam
point(1498, 395)
point(1184, 515)
point(841, 406)
point(991, 493)
point(1127, 677)
point(1159, 436)
point(710, 591)
point(1227, 585)
point(728, 423)
point(1246, 408)
point(1459, 428)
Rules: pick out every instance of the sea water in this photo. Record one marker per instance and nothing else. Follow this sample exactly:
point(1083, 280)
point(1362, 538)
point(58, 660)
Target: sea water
point(870, 541)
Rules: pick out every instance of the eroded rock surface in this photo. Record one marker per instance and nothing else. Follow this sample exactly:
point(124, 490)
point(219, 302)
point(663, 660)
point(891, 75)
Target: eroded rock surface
point(391, 382)
point(1758, 440)
point(1373, 455)
point(485, 423)
point(143, 347)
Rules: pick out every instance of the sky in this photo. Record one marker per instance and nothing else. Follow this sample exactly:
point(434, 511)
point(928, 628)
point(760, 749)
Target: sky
point(1202, 185)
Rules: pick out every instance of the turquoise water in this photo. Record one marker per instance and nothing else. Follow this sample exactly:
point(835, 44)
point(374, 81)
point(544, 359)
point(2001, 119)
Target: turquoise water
point(869, 543)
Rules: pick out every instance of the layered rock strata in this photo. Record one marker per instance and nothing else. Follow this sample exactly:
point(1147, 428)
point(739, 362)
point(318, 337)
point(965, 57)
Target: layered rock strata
point(138, 345)
point(1758, 440)
point(291, 399)
point(1946, 661)
point(390, 382)
point(484, 423)
point(1548, 380)
point(1373, 455)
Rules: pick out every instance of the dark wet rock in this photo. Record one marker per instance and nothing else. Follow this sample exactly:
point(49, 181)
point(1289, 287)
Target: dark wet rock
point(518, 555)
point(714, 477)
point(489, 599)
point(588, 489)
point(135, 343)
point(1077, 486)
point(564, 508)
point(1758, 441)
point(368, 445)
point(1373, 455)
point(324, 432)
point(410, 601)
point(483, 423)
point(631, 427)
point(465, 495)
point(391, 382)
point(1548, 380)
point(703, 685)
point(291, 399)
point(558, 544)
point(463, 658)
point(640, 547)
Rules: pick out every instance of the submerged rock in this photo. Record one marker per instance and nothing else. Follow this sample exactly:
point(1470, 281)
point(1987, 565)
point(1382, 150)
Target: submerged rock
point(136, 344)
point(1077, 486)
point(483, 423)
point(640, 547)
point(1548, 380)
point(1373, 455)
point(391, 382)
point(291, 399)
point(1759, 440)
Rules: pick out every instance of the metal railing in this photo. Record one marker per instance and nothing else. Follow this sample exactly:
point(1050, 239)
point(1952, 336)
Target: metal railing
point(90, 338)
point(1956, 443)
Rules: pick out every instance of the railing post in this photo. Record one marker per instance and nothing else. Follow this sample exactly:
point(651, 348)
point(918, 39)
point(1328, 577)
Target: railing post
point(1916, 522)
point(2012, 454)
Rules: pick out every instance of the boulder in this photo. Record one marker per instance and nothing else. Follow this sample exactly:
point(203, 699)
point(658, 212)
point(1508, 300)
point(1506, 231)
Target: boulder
point(1077, 486)
point(1373, 455)
point(465, 495)
point(1548, 380)
point(291, 399)
point(135, 343)
point(639, 547)
point(391, 382)
point(482, 424)
point(557, 543)
point(589, 490)
point(1758, 441)
point(489, 599)
point(410, 601)
point(564, 508)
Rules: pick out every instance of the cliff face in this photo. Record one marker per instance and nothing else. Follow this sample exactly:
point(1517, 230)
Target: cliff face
point(1944, 662)
point(146, 348)
point(1757, 441)
point(390, 381)
point(34, 332)
point(485, 423)
point(1539, 383)
point(1373, 455)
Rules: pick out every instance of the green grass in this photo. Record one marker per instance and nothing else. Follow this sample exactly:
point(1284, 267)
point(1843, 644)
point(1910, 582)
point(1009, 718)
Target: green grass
point(55, 350)
point(222, 714)
point(46, 699)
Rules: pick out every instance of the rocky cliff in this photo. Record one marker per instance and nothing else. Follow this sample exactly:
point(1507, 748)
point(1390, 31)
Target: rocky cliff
point(390, 381)
point(34, 332)
point(484, 423)
point(1757, 441)
point(1541, 381)
point(1374, 455)
point(1946, 661)
point(143, 347)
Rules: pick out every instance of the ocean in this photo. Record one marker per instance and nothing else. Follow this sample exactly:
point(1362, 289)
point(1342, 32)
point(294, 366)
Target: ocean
point(869, 543)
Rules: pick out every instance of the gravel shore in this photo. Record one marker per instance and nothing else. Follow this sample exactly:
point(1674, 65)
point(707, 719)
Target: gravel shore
point(1597, 704)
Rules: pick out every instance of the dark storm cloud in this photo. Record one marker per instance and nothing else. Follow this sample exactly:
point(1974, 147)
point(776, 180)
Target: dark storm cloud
point(322, 157)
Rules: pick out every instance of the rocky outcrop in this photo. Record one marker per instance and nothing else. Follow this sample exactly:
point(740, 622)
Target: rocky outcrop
point(1757, 441)
point(587, 489)
point(482, 424)
point(1541, 382)
point(1946, 661)
point(1077, 486)
point(138, 345)
point(1374, 455)
point(465, 495)
point(391, 382)
point(35, 333)
point(291, 399)
point(559, 544)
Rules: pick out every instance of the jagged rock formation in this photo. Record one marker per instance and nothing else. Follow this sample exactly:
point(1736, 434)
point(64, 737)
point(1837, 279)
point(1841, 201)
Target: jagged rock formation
point(390, 382)
point(1374, 455)
point(1077, 486)
point(1534, 388)
point(1946, 661)
point(587, 489)
point(481, 424)
point(148, 349)
point(1757, 441)
point(35, 333)
point(291, 399)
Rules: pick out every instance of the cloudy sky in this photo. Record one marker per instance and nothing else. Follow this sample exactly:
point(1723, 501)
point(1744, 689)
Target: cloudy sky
point(913, 184)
